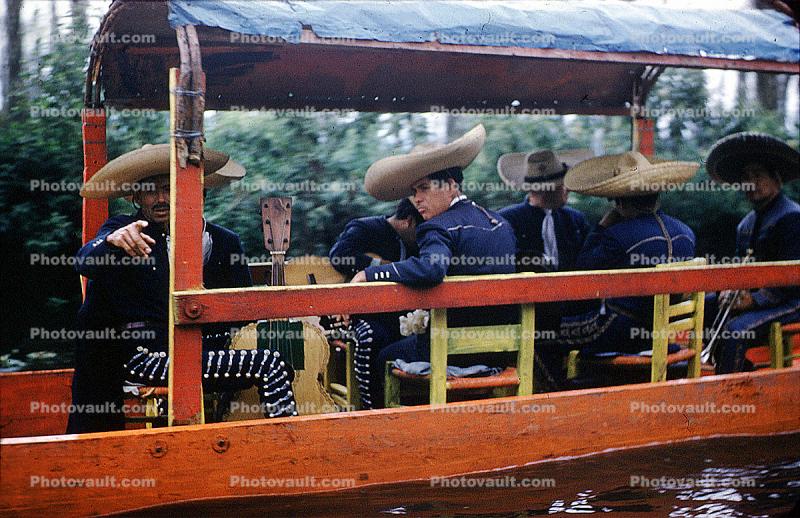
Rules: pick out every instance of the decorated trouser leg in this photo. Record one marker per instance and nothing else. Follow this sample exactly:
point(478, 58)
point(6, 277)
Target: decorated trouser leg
point(372, 334)
point(227, 370)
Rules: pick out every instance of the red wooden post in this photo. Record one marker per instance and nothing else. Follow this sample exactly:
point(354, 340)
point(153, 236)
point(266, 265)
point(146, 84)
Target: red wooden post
point(646, 128)
point(95, 212)
point(186, 272)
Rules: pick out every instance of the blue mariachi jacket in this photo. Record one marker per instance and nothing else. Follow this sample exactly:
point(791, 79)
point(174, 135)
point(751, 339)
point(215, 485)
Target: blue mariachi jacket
point(371, 234)
point(637, 243)
point(463, 240)
point(773, 234)
point(120, 290)
point(571, 230)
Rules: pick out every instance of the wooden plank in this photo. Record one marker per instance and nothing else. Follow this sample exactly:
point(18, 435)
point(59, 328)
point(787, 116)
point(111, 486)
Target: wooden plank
point(94, 212)
point(682, 308)
point(185, 272)
point(489, 290)
point(658, 366)
point(469, 340)
point(35, 403)
point(684, 324)
point(385, 446)
point(696, 341)
point(644, 58)
point(439, 339)
point(526, 350)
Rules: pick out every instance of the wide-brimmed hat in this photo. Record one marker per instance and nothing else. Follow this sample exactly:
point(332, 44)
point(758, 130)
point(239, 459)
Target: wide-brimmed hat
point(729, 156)
point(626, 175)
point(521, 170)
point(118, 177)
point(391, 178)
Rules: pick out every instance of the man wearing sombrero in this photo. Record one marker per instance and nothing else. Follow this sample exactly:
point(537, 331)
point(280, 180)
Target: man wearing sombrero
point(124, 314)
point(549, 234)
point(635, 233)
point(458, 237)
point(761, 164)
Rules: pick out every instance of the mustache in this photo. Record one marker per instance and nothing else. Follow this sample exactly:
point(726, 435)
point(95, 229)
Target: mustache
point(161, 206)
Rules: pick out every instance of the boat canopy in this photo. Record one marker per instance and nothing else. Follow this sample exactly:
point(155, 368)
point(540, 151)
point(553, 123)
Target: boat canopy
point(409, 56)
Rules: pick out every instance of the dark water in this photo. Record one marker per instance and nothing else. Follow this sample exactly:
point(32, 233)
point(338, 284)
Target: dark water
point(726, 477)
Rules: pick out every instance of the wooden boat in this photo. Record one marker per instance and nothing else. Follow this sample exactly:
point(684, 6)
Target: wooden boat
point(303, 56)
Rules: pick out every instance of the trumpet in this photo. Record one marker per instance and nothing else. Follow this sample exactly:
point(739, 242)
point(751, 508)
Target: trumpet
point(723, 312)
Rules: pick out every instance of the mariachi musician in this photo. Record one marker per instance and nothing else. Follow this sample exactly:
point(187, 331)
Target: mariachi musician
point(458, 237)
point(372, 241)
point(125, 309)
point(762, 164)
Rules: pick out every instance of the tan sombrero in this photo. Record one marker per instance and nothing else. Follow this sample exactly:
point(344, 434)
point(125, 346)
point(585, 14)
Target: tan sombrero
point(626, 175)
point(520, 170)
point(117, 177)
point(391, 178)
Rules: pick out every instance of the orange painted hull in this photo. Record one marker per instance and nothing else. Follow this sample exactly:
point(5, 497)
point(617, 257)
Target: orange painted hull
point(386, 446)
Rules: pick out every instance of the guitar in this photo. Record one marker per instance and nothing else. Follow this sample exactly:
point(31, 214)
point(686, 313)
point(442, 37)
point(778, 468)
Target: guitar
point(299, 341)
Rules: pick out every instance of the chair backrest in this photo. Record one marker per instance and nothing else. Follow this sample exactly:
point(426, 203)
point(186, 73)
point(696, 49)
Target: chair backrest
point(480, 339)
point(670, 319)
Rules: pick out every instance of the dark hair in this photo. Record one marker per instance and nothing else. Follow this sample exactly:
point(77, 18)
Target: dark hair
point(456, 173)
point(406, 210)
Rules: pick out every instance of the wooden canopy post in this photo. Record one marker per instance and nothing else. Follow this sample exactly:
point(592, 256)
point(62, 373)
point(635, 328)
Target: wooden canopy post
point(94, 212)
point(642, 126)
point(186, 266)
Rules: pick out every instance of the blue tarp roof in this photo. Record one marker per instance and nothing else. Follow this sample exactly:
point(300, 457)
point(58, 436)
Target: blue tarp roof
point(606, 27)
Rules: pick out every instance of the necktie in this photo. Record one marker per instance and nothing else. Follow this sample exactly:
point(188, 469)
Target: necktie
point(549, 238)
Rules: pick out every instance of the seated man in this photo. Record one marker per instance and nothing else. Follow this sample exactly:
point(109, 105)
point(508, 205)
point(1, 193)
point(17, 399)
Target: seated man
point(549, 234)
point(769, 232)
point(387, 238)
point(391, 239)
point(124, 313)
point(458, 237)
point(635, 233)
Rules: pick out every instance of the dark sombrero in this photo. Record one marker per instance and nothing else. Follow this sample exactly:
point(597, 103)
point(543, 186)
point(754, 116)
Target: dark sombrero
point(729, 156)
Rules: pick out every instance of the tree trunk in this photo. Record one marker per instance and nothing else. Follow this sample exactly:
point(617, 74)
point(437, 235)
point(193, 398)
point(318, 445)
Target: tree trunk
point(80, 22)
point(54, 33)
point(13, 65)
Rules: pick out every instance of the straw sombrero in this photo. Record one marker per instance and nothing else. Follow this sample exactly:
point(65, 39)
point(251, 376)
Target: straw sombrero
point(117, 177)
point(729, 156)
point(520, 170)
point(626, 175)
point(391, 178)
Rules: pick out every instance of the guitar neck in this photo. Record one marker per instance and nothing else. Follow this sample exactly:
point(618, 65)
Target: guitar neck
point(278, 268)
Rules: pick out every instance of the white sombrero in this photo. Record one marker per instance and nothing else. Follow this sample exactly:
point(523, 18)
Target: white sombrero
point(117, 177)
point(626, 175)
point(520, 170)
point(391, 178)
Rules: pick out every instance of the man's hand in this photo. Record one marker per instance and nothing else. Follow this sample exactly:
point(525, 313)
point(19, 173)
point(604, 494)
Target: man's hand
point(743, 302)
point(131, 239)
point(359, 277)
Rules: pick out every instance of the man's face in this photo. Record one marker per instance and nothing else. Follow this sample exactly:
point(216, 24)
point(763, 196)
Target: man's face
point(552, 197)
point(760, 186)
point(433, 197)
point(153, 197)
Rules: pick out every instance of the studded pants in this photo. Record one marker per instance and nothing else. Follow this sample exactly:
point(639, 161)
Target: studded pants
point(225, 371)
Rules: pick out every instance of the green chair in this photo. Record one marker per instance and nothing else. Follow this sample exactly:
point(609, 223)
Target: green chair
point(446, 342)
point(668, 321)
point(779, 356)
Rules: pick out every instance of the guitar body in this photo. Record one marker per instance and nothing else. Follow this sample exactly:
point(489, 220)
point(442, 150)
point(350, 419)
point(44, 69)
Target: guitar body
point(307, 386)
point(311, 360)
